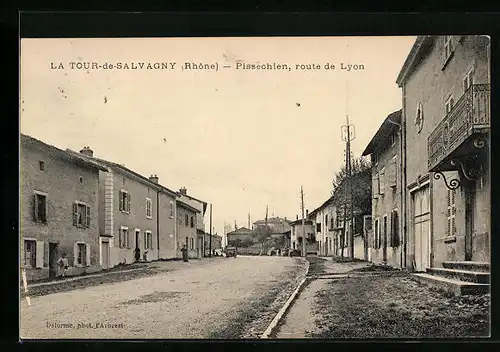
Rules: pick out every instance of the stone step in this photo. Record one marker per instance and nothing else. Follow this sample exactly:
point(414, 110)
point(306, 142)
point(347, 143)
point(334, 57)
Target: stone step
point(454, 286)
point(467, 265)
point(479, 277)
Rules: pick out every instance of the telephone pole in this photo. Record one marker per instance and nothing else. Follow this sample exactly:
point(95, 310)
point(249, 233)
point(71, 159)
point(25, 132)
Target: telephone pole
point(303, 222)
point(210, 240)
point(348, 136)
point(249, 222)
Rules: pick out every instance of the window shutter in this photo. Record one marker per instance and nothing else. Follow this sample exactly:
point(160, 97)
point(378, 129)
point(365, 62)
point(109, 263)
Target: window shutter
point(45, 254)
point(121, 207)
point(382, 182)
point(88, 214)
point(39, 254)
point(395, 231)
point(75, 254)
point(375, 186)
point(35, 208)
point(120, 242)
point(75, 214)
point(128, 203)
point(87, 254)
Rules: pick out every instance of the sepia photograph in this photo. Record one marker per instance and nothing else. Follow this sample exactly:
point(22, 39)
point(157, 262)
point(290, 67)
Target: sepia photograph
point(314, 187)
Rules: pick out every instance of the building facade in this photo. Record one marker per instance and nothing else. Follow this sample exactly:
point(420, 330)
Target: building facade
point(201, 206)
point(384, 242)
point(298, 232)
point(446, 118)
point(58, 210)
point(135, 215)
point(186, 229)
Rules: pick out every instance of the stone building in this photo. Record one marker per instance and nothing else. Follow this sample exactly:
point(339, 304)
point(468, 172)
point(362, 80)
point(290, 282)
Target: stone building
point(446, 121)
point(186, 229)
point(384, 244)
point(58, 210)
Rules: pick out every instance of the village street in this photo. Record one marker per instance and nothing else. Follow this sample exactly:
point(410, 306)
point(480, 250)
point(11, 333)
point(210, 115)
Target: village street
point(209, 298)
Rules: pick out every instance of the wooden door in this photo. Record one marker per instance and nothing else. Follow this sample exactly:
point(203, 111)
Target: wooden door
point(421, 228)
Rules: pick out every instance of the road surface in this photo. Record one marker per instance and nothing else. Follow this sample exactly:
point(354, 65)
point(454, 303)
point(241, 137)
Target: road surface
point(210, 298)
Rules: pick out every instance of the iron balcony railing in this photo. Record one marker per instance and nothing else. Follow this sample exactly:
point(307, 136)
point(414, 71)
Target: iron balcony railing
point(470, 114)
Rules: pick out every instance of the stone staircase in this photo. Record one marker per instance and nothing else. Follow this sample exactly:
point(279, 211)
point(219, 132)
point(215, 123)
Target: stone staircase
point(460, 278)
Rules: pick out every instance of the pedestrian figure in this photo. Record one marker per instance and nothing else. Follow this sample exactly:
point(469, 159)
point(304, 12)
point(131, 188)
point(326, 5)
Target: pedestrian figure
point(213, 252)
point(145, 256)
point(279, 251)
point(137, 254)
point(63, 265)
point(184, 251)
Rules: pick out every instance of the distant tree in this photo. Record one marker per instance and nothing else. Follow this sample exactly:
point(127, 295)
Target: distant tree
point(247, 242)
point(356, 188)
point(262, 235)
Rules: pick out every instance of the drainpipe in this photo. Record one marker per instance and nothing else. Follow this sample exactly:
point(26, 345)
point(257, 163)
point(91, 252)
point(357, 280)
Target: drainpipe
point(158, 221)
point(403, 181)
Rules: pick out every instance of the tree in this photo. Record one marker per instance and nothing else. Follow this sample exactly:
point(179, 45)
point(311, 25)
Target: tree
point(356, 189)
point(262, 235)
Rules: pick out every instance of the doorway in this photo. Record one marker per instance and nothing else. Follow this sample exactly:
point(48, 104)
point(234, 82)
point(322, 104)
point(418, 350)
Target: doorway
point(384, 238)
point(470, 204)
point(421, 228)
point(105, 254)
point(53, 259)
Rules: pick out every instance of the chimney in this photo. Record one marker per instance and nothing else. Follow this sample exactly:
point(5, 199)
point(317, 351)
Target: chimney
point(183, 191)
point(87, 151)
point(153, 178)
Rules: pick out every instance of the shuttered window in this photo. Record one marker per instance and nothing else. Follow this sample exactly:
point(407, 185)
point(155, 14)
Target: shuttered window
point(40, 207)
point(81, 215)
point(376, 237)
point(451, 213)
point(375, 185)
point(392, 173)
point(382, 181)
point(149, 208)
point(395, 229)
point(124, 201)
point(30, 253)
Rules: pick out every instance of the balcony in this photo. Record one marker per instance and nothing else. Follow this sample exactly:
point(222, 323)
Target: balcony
point(463, 130)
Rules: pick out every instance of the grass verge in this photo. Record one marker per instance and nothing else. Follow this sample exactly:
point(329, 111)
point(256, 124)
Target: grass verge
point(397, 307)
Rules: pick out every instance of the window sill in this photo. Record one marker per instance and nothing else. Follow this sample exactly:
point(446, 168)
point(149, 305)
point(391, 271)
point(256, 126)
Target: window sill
point(448, 59)
point(149, 217)
point(124, 212)
point(450, 239)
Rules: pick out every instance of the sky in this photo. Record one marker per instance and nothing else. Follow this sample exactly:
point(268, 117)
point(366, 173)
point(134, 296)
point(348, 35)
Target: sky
point(239, 139)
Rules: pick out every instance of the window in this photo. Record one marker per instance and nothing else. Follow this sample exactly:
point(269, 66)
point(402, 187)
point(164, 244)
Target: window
point(186, 220)
point(40, 207)
point(449, 104)
point(123, 238)
point(392, 173)
point(81, 215)
point(451, 212)
point(149, 208)
point(148, 240)
point(30, 253)
point(382, 181)
point(171, 209)
point(82, 254)
point(376, 237)
point(318, 227)
point(326, 221)
point(41, 164)
point(448, 47)
point(374, 158)
point(124, 202)
point(468, 80)
point(394, 229)
point(192, 221)
point(192, 243)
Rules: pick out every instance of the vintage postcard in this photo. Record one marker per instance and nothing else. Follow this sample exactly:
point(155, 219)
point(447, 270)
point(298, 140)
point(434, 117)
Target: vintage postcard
point(255, 188)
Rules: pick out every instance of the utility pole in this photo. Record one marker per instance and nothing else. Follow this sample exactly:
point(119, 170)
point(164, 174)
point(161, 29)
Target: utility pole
point(348, 136)
point(303, 222)
point(249, 222)
point(210, 240)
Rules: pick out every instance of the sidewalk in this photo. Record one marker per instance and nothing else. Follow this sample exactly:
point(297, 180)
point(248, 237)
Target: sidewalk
point(389, 304)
